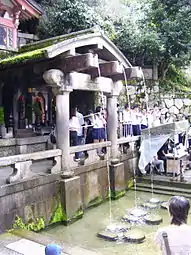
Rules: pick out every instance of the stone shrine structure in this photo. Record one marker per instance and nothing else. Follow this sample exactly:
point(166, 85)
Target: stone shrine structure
point(62, 69)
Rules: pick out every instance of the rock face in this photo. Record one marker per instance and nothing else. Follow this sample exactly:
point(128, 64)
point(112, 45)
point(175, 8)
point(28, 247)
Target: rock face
point(173, 110)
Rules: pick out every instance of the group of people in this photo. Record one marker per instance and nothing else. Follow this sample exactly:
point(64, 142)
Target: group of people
point(135, 119)
point(87, 129)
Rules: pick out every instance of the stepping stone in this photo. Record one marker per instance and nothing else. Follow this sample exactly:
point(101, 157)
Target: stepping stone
point(137, 212)
point(134, 236)
point(154, 200)
point(117, 228)
point(164, 205)
point(153, 219)
point(108, 235)
point(149, 205)
point(131, 218)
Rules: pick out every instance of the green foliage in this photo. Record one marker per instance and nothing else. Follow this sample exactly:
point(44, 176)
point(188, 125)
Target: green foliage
point(68, 16)
point(2, 120)
point(34, 225)
point(175, 79)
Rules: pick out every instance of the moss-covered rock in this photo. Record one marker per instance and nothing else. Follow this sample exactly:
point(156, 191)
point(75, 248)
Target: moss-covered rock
point(23, 58)
point(48, 42)
point(61, 216)
point(117, 194)
point(95, 202)
point(130, 183)
point(33, 225)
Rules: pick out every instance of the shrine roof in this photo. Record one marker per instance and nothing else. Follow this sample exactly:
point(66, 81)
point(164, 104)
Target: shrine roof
point(50, 48)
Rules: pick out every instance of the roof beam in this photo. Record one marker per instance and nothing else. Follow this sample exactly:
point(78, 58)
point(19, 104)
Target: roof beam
point(79, 63)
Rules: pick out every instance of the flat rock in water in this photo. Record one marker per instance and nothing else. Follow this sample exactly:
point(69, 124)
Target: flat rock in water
point(107, 235)
point(149, 205)
point(164, 205)
point(154, 200)
point(134, 236)
point(153, 219)
point(117, 228)
point(137, 212)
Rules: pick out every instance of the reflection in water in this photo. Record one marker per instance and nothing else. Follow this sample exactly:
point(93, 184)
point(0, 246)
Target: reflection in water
point(83, 232)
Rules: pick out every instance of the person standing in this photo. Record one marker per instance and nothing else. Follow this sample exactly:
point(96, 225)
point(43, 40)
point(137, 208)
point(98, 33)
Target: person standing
point(74, 127)
point(127, 124)
point(98, 131)
point(175, 239)
point(136, 121)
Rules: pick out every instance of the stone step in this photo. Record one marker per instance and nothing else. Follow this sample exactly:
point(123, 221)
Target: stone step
point(164, 188)
point(164, 181)
point(161, 192)
point(44, 239)
point(24, 133)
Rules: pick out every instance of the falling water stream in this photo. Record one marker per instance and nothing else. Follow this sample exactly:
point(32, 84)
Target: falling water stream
point(107, 161)
point(134, 170)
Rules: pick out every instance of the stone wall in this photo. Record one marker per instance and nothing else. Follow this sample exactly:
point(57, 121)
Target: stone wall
point(177, 105)
point(13, 146)
point(40, 202)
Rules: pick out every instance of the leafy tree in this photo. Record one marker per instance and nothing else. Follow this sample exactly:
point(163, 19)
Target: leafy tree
point(62, 17)
point(172, 22)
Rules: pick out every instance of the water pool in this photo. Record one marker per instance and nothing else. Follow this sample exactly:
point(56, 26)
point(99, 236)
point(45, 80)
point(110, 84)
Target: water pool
point(83, 232)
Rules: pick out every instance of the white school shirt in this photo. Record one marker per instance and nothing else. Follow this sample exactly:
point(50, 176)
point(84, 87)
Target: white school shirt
point(126, 117)
point(98, 122)
point(74, 124)
point(179, 238)
point(81, 122)
point(144, 119)
point(135, 118)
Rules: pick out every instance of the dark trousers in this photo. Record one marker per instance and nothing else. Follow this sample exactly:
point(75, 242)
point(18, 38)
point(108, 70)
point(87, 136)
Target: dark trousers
point(143, 126)
point(127, 130)
point(74, 141)
point(136, 130)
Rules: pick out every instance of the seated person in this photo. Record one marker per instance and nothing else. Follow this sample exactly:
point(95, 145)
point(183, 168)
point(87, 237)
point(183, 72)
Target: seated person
point(175, 239)
point(163, 151)
point(158, 164)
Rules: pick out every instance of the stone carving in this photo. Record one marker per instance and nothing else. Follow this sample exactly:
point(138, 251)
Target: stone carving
point(55, 78)
point(56, 166)
point(21, 170)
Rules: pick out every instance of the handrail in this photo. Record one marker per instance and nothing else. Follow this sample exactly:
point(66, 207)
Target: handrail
point(10, 160)
point(89, 147)
point(127, 139)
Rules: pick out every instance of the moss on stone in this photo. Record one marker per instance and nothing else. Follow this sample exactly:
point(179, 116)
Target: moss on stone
point(54, 40)
point(60, 215)
point(130, 183)
point(95, 202)
point(33, 225)
point(117, 194)
point(23, 58)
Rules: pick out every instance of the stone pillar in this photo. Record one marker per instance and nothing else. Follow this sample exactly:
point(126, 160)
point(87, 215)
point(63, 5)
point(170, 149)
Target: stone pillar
point(62, 87)
point(117, 179)
point(62, 127)
point(112, 123)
